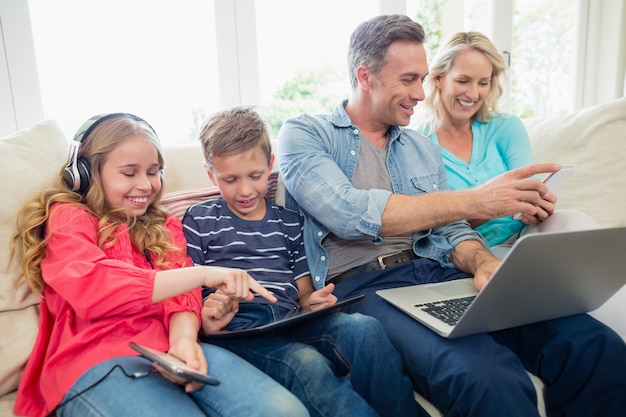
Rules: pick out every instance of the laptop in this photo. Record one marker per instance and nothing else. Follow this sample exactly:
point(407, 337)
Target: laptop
point(544, 276)
point(285, 323)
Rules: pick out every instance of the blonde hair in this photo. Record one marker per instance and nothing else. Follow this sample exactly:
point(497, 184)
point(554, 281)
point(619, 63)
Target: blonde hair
point(433, 112)
point(147, 232)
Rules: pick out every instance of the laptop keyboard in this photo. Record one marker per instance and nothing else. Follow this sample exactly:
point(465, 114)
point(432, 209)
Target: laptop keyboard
point(448, 311)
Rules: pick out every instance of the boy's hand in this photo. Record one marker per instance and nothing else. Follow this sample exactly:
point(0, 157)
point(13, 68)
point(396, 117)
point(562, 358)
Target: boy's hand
point(217, 311)
point(322, 298)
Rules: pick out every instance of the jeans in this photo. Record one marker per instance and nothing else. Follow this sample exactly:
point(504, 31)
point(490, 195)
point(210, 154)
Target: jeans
point(581, 361)
point(243, 391)
point(337, 365)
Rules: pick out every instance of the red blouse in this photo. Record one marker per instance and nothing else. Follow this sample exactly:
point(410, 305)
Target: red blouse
point(95, 302)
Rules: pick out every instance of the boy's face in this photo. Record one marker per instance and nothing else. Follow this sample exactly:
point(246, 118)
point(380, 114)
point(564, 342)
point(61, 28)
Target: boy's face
point(242, 180)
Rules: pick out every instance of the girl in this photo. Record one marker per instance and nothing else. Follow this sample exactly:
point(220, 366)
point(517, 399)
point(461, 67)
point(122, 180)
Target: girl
point(108, 264)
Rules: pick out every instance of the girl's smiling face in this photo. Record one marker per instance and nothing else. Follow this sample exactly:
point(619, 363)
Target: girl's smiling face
point(131, 175)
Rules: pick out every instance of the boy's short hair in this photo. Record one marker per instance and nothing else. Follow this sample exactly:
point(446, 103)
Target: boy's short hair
point(233, 131)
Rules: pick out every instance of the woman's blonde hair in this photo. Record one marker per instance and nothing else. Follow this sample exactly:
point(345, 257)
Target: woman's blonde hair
point(147, 231)
point(442, 63)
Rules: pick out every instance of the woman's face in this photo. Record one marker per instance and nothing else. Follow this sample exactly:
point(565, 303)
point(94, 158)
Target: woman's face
point(131, 175)
point(464, 88)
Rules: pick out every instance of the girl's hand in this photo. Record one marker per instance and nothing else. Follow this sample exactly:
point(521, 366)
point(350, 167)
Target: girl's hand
point(189, 351)
point(235, 283)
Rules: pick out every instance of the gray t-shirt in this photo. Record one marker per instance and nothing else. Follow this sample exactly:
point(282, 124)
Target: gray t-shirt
point(370, 172)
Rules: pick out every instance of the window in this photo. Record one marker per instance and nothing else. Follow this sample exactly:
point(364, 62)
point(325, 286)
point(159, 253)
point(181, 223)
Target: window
point(302, 49)
point(543, 57)
point(175, 62)
point(537, 36)
point(144, 57)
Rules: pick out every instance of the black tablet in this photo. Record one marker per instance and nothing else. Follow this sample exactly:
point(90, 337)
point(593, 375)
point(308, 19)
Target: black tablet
point(290, 321)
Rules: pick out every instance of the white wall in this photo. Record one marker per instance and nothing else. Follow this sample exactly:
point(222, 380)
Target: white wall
point(20, 96)
point(601, 68)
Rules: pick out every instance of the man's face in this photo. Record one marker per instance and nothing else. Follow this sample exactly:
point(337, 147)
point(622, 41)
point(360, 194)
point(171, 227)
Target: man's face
point(397, 89)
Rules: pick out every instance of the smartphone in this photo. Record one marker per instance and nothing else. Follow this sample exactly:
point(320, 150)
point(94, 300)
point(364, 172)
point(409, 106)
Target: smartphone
point(173, 365)
point(554, 180)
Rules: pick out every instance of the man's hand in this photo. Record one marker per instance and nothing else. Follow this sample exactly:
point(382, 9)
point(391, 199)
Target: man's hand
point(544, 210)
point(515, 191)
point(484, 272)
point(472, 257)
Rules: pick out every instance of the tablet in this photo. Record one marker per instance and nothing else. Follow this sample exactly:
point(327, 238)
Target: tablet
point(173, 365)
point(290, 321)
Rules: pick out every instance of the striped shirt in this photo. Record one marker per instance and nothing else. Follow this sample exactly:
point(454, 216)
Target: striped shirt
point(271, 250)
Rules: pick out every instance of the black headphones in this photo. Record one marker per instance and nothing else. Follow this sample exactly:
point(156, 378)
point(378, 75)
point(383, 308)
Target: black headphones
point(77, 173)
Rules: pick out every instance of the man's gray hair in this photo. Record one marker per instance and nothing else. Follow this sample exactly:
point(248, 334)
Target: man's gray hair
point(371, 39)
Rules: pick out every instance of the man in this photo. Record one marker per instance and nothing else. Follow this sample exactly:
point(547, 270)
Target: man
point(378, 214)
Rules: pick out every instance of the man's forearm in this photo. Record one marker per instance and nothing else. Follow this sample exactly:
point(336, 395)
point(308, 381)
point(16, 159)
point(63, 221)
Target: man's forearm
point(406, 214)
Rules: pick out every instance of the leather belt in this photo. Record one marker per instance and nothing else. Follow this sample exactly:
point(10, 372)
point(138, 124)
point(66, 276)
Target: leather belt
point(380, 263)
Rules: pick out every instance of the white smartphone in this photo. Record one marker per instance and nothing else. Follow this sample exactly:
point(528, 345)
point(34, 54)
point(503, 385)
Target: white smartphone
point(173, 365)
point(554, 180)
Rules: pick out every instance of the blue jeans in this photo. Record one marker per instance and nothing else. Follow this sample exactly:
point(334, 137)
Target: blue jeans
point(337, 365)
point(581, 361)
point(243, 391)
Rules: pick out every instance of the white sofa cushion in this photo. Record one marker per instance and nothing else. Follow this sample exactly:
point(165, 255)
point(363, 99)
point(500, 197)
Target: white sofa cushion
point(31, 159)
point(594, 141)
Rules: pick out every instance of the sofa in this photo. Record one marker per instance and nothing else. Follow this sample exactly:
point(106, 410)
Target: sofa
point(592, 139)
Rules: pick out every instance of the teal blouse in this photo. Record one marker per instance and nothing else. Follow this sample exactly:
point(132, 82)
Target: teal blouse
point(499, 145)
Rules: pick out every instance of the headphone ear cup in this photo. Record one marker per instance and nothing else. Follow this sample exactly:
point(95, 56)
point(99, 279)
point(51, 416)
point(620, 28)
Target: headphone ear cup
point(84, 175)
point(77, 176)
point(69, 179)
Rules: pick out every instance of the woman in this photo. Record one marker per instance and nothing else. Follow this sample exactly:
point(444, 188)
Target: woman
point(478, 142)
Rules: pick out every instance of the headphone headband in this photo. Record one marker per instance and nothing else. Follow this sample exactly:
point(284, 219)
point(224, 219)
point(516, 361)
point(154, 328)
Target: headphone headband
point(77, 174)
point(86, 128)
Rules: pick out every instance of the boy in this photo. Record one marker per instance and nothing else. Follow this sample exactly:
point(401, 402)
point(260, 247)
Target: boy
point(332, 364)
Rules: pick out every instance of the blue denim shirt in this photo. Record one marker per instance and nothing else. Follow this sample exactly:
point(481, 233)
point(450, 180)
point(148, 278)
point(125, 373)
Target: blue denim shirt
point(317, 156)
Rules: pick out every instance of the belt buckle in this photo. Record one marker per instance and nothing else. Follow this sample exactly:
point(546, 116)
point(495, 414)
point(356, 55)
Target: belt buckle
point(381, 258)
